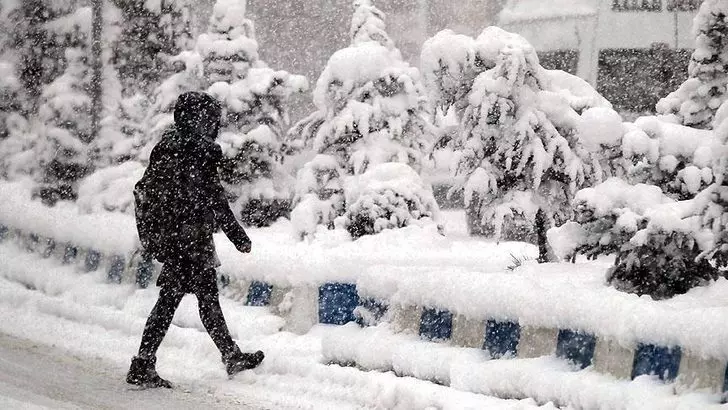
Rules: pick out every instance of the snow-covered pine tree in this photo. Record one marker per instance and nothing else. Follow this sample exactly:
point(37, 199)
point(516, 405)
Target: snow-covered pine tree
point(696, 101)
point(188, 76)
point(63, 151)
point(712, 204)
point(255, 117)
point(523, 144)
point(39, 56)
point(65, 114)
point(15, 136)
point(152, 33)
point(371, 106)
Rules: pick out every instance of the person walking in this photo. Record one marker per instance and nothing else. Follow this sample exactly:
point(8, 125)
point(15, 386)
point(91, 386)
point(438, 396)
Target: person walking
point(180, 203)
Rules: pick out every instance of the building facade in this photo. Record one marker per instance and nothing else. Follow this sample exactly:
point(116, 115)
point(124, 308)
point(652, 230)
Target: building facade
point(633, 51)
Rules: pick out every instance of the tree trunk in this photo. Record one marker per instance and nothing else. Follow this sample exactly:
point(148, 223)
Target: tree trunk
point(473, 216)
point(541, 228)
point(97, 67)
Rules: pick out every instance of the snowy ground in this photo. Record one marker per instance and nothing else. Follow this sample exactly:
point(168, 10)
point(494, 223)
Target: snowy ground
point(67, 339)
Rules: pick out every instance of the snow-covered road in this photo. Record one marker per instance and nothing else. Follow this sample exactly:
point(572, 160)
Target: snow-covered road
point(66, 339)
point(34, 375)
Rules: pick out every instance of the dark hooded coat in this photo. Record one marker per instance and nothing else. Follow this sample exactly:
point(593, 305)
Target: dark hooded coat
point(184, 168)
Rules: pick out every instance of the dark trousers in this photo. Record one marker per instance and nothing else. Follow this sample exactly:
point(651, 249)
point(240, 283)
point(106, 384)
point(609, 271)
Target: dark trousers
point(161, 318)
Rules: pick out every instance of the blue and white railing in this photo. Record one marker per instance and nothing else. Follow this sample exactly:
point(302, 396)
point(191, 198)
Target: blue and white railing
point(504, 316)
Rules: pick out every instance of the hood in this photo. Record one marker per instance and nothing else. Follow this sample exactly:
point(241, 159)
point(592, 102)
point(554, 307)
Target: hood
point(197, 116)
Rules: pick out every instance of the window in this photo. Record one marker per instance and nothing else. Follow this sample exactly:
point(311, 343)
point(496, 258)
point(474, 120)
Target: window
point(683, 5)
point(637, 5)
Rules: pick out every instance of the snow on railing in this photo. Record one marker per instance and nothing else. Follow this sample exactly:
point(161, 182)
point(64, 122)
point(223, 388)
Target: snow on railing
point(560, 310)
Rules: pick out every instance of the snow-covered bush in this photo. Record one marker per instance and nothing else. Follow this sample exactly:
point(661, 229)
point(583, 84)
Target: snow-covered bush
point(388, 196)
point(253, 175)
point(319, 196)
point(676, 158)
point(606, 217)
point(696, 101)
point(657, 241)
point(371, 106)
point(255, 116)
point(528, 139)
point(663, 259)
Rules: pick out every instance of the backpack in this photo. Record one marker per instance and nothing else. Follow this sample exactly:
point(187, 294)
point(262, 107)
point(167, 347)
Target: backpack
point(161, 198)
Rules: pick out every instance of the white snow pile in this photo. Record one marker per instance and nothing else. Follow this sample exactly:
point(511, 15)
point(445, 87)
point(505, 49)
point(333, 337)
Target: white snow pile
point(110, 189)
point(599, 127)
point(107, 232)
point(9, 81)
point(546, 379)
point(558, 296)
point(329, 257)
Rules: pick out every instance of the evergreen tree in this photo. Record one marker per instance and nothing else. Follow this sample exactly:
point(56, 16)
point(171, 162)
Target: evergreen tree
point(524, 145)
point(188, 76)
point(37, 49)
point(696, 101)
point(65, 112)
point(371, 107)
point(152, 33)
point(255, 115)
point(65, 150)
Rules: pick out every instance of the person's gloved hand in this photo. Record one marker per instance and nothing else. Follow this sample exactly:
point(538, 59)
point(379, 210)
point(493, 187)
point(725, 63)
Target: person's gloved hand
point(244, 245)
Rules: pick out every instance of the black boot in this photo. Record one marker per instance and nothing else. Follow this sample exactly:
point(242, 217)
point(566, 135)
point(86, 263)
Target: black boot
point(143, 373)
point(238, 361)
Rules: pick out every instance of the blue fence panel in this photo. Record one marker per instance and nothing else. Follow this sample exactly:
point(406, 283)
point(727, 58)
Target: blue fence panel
point(145, 271)
point(657, 360)
point(501, 338)
point(93, 258)
point(376, 310)
point(576, 347)
point(116, 269)
point(69, 254)
point(259, 294)
point(337, 302)
point(436, 324)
